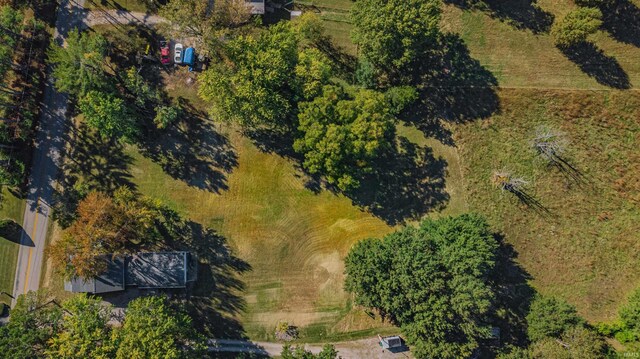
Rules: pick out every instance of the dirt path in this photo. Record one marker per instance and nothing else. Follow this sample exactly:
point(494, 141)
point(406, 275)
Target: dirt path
point(119, 17)
point(357, 349)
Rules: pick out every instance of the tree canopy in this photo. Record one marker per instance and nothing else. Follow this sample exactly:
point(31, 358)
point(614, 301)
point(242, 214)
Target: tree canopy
point(394, 34)
point(550, 317)
point(431, 280)
point(104, 225)
point(79, 67)
point(153, 329)
point(30, 329)
point(108, 115)
point(342, 136)
point(263, 77)
point(576, 26)
point(84, 332)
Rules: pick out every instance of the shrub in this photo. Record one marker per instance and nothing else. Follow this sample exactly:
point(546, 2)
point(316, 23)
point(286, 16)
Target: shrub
point(576, 27)
point(550, 317)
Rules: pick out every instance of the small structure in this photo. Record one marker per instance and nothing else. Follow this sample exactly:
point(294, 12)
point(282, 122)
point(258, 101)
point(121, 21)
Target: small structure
point(390, 343)
point(256, 6)
point(189, 56)
point(147, 270)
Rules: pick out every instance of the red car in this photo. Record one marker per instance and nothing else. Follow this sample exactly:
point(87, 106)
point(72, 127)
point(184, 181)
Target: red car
point(164, 53)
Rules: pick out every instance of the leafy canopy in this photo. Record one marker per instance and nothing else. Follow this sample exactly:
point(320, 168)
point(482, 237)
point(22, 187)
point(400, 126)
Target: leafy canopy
point(153, 329)
point(79, 67)
point(104, 226)
point(550, 317)
point(84, 332)
point(341, 137)
point(108, 115)
point(576, 26)
point(262, 78)
point(431, 280)
point(394, 34)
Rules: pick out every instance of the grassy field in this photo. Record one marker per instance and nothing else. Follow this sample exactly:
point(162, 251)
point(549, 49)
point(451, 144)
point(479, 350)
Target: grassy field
point(293, 239)
point(12, 208)
point(129, 5)
point(585, 248)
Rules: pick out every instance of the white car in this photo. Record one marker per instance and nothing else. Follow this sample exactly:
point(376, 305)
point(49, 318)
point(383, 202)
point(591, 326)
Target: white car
point(177, 53)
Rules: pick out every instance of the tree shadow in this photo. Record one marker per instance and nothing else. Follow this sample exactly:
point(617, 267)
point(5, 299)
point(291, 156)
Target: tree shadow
point(92, 163)
point(513, 294)
point(455, 86)
point(595, 63)
point(521, 14)
point(407, 183)
point(13, 232)
point(622, 20)
point(192, 151)
point(215, 297)
point(346, 63)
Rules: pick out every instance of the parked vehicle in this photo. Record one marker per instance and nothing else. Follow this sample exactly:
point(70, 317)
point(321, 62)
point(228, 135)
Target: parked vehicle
point(165, 58)
point(177, 53)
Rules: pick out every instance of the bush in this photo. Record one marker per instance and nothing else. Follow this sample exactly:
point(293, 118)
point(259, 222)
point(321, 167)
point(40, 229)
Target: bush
point(630, 313)
point(576, 27)
point(550, 317)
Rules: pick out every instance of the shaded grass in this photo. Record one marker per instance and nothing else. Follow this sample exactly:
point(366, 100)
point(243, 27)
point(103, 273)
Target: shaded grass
point(586, 250)
point(12, 208)
point(128, 5)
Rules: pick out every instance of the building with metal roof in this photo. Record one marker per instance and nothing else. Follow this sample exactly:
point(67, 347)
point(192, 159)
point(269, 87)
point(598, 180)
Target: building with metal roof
point(145, 270)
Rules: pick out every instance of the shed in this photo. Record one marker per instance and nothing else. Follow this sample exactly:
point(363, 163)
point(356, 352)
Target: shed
point(391, 342)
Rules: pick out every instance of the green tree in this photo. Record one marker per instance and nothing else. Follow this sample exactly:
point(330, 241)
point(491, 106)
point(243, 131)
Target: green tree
point(32, 324)
point(255, 85)
point(79, 67)
point(576, 26)
point(630, 312)
point(394, 34)
point(341, 137)
point(431, 280)
point(328, 352)
point(154, 329)
point(550, 317)
point(108, 115)
point(576, 342)
point(84, 332)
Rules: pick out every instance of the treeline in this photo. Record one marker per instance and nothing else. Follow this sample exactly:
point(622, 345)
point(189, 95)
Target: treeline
point(22, 44)
point(86, 327)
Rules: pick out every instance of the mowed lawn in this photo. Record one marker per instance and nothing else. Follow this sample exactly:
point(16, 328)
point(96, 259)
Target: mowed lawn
point(586, 247)
point(294, 240)
point(12, 208)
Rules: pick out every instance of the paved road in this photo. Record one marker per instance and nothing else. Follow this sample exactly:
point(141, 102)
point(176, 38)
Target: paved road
point(357, 349)
point(45, 166)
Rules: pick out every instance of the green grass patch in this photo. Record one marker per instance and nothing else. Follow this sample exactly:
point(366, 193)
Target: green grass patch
point(128, 5)
point(12, 208)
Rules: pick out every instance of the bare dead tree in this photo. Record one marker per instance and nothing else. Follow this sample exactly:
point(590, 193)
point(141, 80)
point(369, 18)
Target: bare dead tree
point(550, 144)
point(506, 181)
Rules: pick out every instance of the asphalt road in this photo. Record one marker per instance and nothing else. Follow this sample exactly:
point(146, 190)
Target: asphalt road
point(45, 166)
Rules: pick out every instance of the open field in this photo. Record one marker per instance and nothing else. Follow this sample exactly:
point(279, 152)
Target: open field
point(293, 239)
point(12, 208)
point(585, 248)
